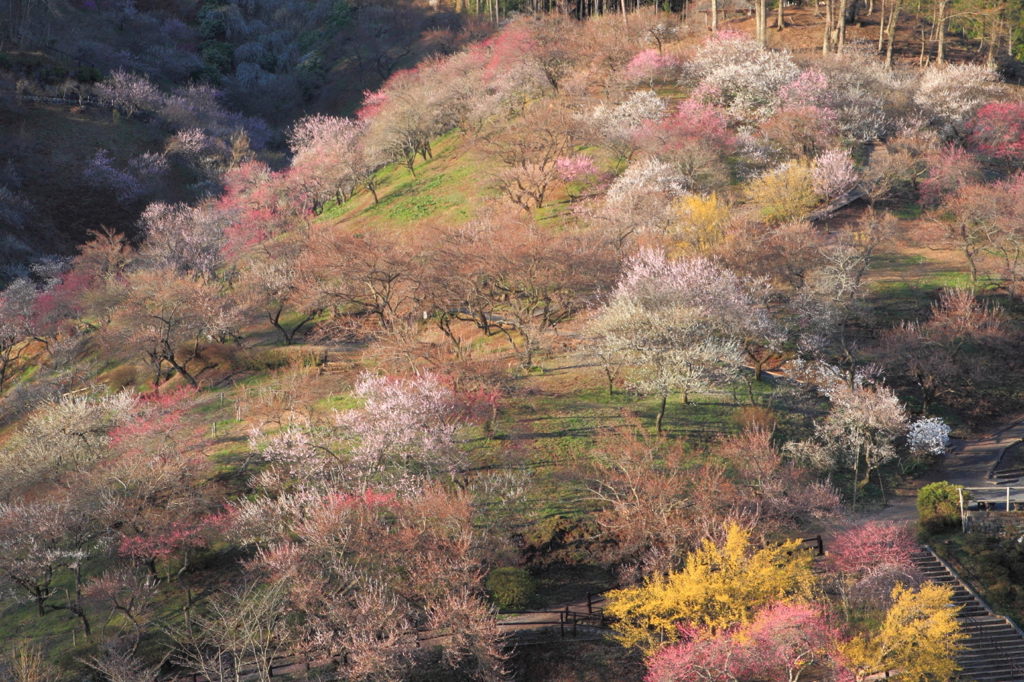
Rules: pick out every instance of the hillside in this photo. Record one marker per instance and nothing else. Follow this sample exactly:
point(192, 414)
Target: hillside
point(555, 308)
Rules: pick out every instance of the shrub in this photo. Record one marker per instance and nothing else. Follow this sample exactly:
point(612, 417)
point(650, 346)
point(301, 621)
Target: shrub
point(700, 224)
point(938, 506)
point(784, 193)
point(509, 588)
point(259, 360)
point(121, 377)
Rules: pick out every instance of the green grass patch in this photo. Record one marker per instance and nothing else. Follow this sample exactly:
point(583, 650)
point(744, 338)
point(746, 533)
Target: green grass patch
point(908, 211)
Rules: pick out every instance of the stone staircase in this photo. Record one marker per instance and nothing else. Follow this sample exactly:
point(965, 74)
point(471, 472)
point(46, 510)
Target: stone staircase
point(994, 648)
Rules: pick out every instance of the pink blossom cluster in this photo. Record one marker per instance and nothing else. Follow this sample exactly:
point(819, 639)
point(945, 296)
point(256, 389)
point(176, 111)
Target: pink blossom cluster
point(997, 131)
point(809, 89)
point(874, 544)
point(576, 168)
point(650, 66)
point(833, 174)
point(781, 640)
point(411, 423)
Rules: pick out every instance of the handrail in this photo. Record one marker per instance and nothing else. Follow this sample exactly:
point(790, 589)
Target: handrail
point(972, 619)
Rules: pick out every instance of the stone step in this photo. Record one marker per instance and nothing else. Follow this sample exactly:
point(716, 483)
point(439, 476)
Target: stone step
point(993, 650)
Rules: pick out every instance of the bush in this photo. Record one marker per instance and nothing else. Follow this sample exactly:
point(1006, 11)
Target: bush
point(938, 506)
point(509, 588)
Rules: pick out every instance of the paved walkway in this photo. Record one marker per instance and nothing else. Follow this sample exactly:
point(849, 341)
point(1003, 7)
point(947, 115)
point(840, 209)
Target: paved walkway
point(972, 461)
point(968, 464)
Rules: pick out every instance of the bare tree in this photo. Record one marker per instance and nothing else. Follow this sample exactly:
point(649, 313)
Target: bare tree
point(272, 277)
point(245, 627)
point(168, 318)
point(529, 148)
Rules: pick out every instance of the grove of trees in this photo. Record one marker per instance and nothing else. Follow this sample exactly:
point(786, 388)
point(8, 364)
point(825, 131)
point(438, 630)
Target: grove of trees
point(578, 294)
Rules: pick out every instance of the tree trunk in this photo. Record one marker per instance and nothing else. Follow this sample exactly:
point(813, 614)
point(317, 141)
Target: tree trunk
point(714, 16)
point(856, 475)
point(940, 28)
point(657, 420)
point(761, 19)
point(881, 27)
point(781, 24)
point(893, 18)
point(841, 27)
point(826, 44)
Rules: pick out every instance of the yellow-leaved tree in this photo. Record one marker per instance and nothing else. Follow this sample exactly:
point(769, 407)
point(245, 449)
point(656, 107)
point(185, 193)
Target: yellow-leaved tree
point(720, 586)
point(699, 225)
point(919, 639)
point(784, 193)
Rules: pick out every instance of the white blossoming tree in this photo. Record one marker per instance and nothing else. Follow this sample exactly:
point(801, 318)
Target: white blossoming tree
point(928, 436)
point(676, 324)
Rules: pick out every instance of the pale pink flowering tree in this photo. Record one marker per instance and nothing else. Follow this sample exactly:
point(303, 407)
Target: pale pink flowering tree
point(580, 170)
point(131, 183)
point(183, 237)
point(296, 451)
point(860, 432)
point(696, 120)
point(785, 639)
point(650, 67)
point(575, 168)
point(951, 95)
point(33, 547)
point(833, 175)
point(696, 283)
point(206, 154)
point(869, 560)
point(738, 75)
point(698, 656)
point(676, 324)
point(130, 93)
point(617, 126)
point(809, 89)
point(638, 110)
point(411, 425)
point(328, 162)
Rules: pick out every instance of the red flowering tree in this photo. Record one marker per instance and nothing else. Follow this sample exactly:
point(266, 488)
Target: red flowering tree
point(875, 543)
point(997, 131)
